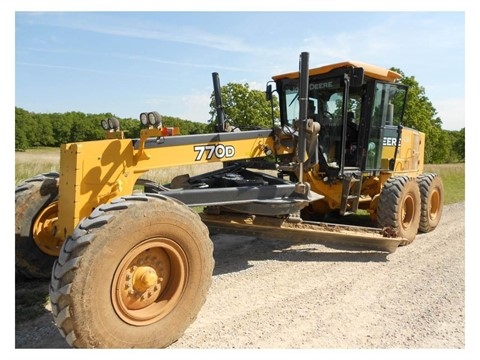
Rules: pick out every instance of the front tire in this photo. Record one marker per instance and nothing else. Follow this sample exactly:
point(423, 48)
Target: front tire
point(35, 213)
point(399, 207)
point(133, 275)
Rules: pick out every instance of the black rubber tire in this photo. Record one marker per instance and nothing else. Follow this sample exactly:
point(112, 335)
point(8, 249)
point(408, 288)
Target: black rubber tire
point(432, 195)
point(31, 197)
point(84, 283)
point(398, 207)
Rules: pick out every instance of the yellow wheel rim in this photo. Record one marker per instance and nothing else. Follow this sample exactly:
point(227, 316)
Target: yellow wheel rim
point(149, 281)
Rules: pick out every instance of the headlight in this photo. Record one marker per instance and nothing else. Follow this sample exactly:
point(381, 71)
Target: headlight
point(154, 119)
point(114, 123)
point(105, 125)
point(144, 119)
point(110, 124)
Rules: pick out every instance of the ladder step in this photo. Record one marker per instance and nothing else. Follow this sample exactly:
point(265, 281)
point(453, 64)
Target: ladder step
point(352, 186)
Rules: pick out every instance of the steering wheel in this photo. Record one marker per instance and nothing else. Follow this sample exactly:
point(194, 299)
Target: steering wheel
point(329, 116)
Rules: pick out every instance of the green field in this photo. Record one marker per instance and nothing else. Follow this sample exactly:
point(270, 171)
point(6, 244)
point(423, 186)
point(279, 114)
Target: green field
point(32, 162)
point(453, 177)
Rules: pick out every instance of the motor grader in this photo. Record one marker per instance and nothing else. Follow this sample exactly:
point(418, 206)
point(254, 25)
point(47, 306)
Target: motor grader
point(130, 261)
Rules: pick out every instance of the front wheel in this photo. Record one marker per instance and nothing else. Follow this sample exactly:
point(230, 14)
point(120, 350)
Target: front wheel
point(399, 207)
point(133, 275)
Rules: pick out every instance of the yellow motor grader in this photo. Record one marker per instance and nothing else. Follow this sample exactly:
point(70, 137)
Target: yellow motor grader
point(131, 260)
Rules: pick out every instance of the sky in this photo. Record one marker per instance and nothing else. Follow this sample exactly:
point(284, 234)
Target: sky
point(128, 62)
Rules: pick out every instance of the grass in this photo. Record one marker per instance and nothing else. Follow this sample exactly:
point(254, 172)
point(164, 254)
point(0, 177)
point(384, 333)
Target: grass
point(26, 170)
point(453, 178)
point(37, 161)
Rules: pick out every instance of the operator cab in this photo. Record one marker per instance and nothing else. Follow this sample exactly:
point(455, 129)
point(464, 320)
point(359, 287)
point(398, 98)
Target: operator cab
point(355, 104)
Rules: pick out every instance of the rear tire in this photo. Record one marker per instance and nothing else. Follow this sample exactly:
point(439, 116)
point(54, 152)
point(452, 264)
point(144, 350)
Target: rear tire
point(35, 209)
point(432, 194)
point(399, 207)
point(134, 274)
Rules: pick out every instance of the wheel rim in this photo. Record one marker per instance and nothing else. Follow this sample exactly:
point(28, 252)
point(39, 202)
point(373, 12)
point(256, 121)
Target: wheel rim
point(149, 281)
point(408, 212)
point(44, 230)
point(434, 204)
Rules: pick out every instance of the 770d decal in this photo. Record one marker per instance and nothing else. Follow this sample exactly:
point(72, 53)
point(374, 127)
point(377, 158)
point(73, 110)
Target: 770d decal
point(207, 152)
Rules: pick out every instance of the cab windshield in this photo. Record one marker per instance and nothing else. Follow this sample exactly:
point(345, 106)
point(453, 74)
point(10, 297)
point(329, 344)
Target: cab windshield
point(324, 96)
point(325, 105)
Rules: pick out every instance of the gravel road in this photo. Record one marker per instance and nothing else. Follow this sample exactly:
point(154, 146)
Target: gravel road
point(281, 294)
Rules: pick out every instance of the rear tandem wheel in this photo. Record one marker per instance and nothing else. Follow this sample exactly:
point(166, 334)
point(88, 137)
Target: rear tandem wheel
point(399, 207)
point(35, 213)
point(431, 192)
point(134, 274)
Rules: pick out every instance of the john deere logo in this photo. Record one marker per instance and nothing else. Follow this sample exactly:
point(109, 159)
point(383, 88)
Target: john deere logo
point(391, 141)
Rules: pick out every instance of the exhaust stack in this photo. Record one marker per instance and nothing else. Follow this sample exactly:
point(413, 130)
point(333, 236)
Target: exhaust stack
point(219, 127)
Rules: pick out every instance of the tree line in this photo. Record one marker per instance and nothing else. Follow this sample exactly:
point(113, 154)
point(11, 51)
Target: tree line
point(53, 129)
point(246, 106)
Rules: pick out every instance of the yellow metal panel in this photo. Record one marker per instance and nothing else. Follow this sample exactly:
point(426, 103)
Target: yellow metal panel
point(410, 155)
point(201, 153)
point(95, 172)
point(92, 173)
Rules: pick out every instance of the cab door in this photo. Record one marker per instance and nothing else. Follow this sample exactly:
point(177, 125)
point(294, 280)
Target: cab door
point(383, 108)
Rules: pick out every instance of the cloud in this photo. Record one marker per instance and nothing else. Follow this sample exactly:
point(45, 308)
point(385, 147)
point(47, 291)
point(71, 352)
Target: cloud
point(62, 67)
point(179, 63)
point(129, 27)
point(196, 107)
point(452, 113)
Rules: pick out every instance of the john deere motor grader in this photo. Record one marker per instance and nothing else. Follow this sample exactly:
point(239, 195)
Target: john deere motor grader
point(132, 261)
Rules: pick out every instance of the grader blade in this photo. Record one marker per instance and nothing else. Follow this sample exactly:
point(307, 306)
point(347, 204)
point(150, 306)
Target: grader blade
point(335, 236)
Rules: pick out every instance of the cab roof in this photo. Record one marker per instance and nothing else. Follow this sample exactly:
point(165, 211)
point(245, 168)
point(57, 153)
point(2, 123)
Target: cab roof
point(370, 70)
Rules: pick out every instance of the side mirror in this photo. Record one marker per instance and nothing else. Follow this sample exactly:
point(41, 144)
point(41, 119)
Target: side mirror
point(356, 79)
point(268, 92)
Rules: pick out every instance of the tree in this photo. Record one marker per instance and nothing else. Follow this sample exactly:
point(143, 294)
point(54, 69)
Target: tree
point(131, 127)
point(54, 129)
point(32, 130)
point(244, 108)
point(186, 127)
point(44, 135)
point(62, 131)
point(24, 124)
point(457, 139)
point(421, 115)
point(459, 144)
